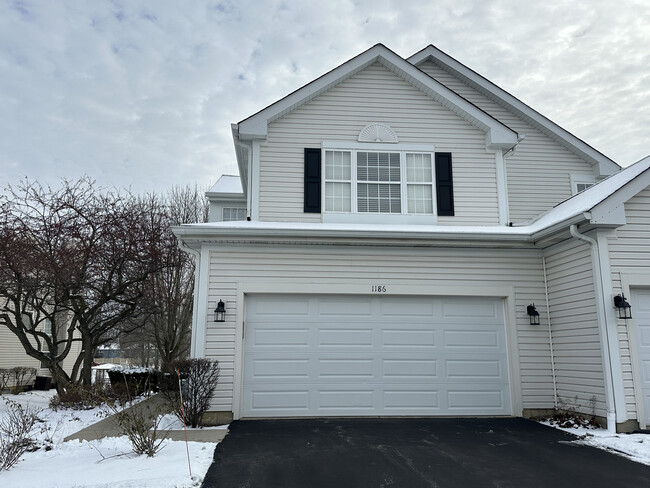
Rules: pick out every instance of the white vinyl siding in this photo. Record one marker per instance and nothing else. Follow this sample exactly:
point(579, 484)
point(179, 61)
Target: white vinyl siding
point(539, 171)
point(574, 324)
point(337, 266)
point(375, 95)
point(629, 253)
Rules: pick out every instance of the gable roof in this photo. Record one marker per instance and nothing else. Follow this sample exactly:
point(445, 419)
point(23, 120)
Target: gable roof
point(498, 135)
point(601, 203)
point(227, 184)
point(603, 166)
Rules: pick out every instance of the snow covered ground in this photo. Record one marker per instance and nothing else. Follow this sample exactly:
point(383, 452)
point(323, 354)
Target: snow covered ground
point(104, 463)
point(632, 446)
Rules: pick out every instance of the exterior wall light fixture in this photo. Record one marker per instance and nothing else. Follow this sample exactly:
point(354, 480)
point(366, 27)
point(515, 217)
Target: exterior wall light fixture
point(220, 312)
point(533, 314)
point(624, 308)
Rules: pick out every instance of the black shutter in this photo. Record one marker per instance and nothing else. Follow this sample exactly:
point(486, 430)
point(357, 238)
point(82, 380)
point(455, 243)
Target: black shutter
point(444, 184)
point(312, 180)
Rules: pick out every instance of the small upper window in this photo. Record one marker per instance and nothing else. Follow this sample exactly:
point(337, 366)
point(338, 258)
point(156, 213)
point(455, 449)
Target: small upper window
point(580, 182)
point(582, 186)
point(231, 214)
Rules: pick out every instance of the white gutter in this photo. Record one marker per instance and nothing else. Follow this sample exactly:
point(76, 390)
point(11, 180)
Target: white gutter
point(195, 295)
point(602, 325)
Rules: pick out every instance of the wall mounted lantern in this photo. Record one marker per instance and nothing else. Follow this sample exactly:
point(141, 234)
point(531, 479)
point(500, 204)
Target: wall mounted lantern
point(220, 312)
point(624, 308)
point(533, 314)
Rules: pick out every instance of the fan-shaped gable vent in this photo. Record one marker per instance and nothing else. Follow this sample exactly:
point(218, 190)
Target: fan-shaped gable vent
point(377, 133)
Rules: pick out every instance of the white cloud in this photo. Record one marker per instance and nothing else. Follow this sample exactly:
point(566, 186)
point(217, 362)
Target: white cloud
point(142, 94)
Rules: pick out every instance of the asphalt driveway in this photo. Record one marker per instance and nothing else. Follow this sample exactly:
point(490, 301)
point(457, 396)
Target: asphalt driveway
point(411, 453)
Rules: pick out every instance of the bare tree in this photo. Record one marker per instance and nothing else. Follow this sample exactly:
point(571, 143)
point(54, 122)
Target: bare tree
point(167, 297)
point(77, 257)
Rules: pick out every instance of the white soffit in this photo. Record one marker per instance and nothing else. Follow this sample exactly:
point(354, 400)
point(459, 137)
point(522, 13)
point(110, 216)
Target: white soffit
point(603, 166)
point(498, 135)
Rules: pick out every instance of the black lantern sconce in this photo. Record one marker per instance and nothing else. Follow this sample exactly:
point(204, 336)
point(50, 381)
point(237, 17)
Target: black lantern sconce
point(624, 308)
point(220, 312)
point(533, 314)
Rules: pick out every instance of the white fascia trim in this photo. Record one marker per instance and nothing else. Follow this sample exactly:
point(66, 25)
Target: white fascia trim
point(497, 134)
point(614, 204)
point(603, 165)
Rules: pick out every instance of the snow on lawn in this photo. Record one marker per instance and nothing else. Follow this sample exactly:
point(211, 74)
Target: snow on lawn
point(104, 463)
point(632, 446)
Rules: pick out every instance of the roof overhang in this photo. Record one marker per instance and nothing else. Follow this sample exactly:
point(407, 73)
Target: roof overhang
point(602, 165)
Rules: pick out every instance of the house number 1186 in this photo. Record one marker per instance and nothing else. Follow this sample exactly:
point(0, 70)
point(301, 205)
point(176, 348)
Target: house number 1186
point(378, 288)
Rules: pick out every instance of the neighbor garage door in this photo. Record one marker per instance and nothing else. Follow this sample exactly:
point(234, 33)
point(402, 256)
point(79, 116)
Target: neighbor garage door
point(310, 355)
point(641, 316)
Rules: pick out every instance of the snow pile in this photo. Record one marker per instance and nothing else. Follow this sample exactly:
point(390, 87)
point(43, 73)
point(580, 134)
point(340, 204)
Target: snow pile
point(104, 463)
point(632, 446)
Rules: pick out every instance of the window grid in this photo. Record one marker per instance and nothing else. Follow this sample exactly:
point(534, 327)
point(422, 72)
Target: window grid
point(378, 182)
point(231, 214)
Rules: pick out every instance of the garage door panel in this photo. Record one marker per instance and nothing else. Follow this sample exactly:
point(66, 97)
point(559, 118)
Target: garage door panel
point(344, 337)
point(468, 400)
point(471, 339)
point(276, 336)
point(405, 369)
point(482, 309)
point(411, 400)
point(640, 301)
point(375, 364)
point(408, 337)
point(465, 369)
point(335, 308)
point(406, 308)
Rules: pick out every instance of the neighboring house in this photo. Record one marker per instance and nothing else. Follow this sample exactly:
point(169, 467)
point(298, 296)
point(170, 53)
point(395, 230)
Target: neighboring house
point(13, 354)
point(227, 201)
point(404, 216)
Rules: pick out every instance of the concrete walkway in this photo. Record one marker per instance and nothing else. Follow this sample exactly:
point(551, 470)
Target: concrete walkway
point(151, 407)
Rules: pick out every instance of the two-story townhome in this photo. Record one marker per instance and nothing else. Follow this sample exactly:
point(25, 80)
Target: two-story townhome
point(415, 241)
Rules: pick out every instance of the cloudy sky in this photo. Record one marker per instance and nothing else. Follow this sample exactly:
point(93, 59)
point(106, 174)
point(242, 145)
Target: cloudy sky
point(141, 94)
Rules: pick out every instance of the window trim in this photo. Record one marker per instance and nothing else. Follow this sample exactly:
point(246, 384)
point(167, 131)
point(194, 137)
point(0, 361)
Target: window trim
point(377, 217)
point(577, 179)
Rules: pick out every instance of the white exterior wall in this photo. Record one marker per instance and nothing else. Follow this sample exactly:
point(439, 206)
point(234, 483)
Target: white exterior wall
point(375, 95)
point(574, 325)
point(629, 254)
point(539, 172)
point(335, 268)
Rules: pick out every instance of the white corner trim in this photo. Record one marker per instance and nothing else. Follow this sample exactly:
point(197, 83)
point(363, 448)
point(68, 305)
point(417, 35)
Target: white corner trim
point(255, 182)
point(502, 188)
point(199, 333)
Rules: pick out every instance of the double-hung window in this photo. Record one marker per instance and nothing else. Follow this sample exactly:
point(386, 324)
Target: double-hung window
point(379, 182)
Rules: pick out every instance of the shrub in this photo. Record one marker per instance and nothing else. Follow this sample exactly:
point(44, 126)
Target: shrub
point(136, 379)
point(5, 374)
point(199, 378)
point(141, 424)
point(22, 377)
point(16, 433)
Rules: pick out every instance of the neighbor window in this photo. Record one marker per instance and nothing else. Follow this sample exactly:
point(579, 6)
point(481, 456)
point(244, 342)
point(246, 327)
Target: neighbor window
point(231, 214)
point(391, 182)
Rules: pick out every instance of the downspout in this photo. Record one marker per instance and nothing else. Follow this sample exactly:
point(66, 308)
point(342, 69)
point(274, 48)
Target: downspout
point(550, 335)
point(602, 324)
point(195, 295)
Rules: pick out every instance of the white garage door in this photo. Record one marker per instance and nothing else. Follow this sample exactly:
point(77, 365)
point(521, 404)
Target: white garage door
point(641, 315)
point(374, 355)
